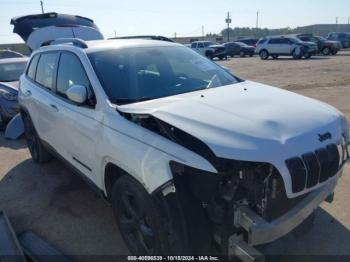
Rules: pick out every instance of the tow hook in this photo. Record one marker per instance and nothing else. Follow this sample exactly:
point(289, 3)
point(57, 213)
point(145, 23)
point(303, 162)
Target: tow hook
point(240, 249)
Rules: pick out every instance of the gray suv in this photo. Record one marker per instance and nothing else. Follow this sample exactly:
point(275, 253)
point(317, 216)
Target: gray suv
point(285, 46)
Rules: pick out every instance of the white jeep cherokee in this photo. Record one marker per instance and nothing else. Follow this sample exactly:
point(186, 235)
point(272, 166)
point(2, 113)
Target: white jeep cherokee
point(189, 155)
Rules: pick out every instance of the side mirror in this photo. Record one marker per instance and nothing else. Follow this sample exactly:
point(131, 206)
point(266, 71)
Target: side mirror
point(77, 94)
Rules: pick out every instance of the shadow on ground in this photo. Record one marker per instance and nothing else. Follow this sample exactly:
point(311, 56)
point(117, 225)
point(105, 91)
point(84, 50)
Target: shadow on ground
point(57, 205)
point(13, 144)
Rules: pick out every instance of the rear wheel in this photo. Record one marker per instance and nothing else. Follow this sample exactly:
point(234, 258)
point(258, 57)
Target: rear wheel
point(209, 55)
point(274, 56)
point(241, 54)
point(35, 146)
point(334, 52)
point(264, 55)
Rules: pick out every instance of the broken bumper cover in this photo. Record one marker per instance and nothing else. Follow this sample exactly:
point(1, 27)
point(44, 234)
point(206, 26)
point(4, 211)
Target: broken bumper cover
point(261, 231)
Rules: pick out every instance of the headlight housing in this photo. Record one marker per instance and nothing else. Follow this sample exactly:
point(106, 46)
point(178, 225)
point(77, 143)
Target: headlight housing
point(8, 95)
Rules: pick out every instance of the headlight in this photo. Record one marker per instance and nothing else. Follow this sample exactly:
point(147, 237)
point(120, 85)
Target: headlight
point(8, 96)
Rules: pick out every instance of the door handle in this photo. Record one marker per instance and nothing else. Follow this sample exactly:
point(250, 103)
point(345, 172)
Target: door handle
point(54, 107)
point(27, 93)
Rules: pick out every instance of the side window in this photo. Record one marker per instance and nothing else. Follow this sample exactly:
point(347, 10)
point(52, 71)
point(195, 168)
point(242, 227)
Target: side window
point(284, 41)
point(70, 72)
point(274, 41)
point(200, 45)
point(46, 70)
point(32, 67)
point(193, 45)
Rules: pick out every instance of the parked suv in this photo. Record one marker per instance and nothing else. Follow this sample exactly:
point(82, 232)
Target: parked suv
point(209, 49)
point(343, 38)
point(326, 47)
point(189, 155)
point(285, 46)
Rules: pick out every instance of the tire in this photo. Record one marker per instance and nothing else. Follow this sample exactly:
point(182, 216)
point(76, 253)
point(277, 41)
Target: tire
point(307, 55)
point(251, 55)
point(209, 55)
point(326, 51)
point(35, 146)
point(241, 54)
point(274, 56)
point(334, 52)
point(140, 222)
point(305, 226)
point(264, 54)
point(296, 54)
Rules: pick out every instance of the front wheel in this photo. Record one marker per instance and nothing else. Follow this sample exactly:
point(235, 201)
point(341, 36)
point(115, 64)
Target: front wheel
point(241, 54)
point(307, 55)
point(35, 146)
point(274, 56)
point(141, 223)
point(297, 53)
point(326, 51)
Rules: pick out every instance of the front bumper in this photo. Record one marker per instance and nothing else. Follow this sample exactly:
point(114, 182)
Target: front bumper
point(260, 231)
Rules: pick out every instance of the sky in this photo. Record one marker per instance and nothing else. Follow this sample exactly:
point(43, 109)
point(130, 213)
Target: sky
point(183, 17)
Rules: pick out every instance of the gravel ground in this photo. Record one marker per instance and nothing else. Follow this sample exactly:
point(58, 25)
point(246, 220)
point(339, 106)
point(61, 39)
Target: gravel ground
point(57, 205)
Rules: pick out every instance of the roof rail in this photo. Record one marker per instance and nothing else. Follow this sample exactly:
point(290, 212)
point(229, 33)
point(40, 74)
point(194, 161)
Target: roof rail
point(74, 41)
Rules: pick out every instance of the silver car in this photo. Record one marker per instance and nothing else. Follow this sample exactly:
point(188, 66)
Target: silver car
point(10, 71)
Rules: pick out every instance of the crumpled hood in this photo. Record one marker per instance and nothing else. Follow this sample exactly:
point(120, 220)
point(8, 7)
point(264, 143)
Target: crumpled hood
point(247, 121)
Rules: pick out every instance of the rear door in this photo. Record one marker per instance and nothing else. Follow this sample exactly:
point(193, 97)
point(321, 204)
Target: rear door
point(38, 94)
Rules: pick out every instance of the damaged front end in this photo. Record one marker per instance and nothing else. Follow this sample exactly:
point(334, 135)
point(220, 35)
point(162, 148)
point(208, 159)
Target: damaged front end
point(242, 205)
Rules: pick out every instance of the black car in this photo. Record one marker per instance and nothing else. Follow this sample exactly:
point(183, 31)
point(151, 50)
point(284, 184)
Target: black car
point(326, 47)
point(239, 48)
point(343, 38)
point(248, 41)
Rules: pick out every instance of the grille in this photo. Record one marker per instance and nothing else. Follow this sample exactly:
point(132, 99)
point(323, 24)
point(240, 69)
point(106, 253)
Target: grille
point(313, 168)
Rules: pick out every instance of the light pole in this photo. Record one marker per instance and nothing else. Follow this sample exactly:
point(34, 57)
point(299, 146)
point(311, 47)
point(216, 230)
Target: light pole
point(42, 6)
point(228, 22)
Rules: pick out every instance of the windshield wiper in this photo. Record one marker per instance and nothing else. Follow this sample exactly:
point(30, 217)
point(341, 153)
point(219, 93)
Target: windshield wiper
point(133, 100)
point(212, 82)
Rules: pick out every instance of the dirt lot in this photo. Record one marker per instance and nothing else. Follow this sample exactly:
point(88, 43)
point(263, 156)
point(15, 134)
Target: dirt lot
point(58, 206)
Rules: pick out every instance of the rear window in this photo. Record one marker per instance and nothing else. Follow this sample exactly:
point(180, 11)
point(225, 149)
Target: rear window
point(262, 41)
point(11, 71)
point(46, 71)
point(32, 67)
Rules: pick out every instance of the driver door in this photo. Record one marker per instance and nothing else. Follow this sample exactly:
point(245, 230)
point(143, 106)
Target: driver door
point(77, 126)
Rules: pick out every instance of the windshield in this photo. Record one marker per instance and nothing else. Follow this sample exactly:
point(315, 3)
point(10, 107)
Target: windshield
point(206, 44)
point(139, 74)
point(321, 38)
point(295, 40)
point(11, 71)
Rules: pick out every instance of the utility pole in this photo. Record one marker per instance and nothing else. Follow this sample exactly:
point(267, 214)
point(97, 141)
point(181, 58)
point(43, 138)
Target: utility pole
point(115, 33)
point(257, 19)
point(228, 22)
point(42, 6)
point(349, 24)
point(202, 32)
point(336, 24)
point(175, 35)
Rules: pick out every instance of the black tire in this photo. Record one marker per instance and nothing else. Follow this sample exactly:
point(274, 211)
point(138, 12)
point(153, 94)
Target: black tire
point(241, 54)
point(305, 226)
point(35, 146)
point(209, 55)
point(307, 55)
point(274, 57)
point(334, 52)
point(251, 55)
point(297, 55)
point(326, 51)
point(140, 222)
point(264, 54)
